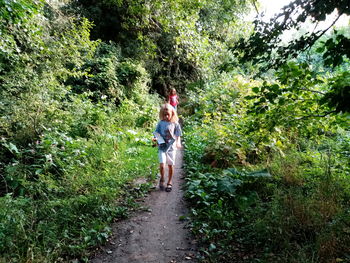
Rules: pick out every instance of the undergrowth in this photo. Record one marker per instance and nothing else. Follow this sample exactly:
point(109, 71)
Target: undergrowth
point(257, 198)
point(58, 219)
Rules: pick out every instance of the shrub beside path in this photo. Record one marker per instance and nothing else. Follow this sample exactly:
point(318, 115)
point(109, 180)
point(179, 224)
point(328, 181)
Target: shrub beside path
point(157, 235)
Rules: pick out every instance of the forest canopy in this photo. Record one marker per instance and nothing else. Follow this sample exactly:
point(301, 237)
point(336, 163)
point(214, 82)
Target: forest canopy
point(264, 47)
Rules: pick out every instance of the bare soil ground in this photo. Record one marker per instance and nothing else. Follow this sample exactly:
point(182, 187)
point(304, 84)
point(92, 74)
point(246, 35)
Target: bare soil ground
point(157, 235)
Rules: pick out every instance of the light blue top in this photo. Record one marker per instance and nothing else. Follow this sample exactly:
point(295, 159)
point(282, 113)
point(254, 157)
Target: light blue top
point(169, 131)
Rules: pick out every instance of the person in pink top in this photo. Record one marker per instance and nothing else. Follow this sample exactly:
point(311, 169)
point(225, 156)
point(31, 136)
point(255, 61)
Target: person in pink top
point(173, 99)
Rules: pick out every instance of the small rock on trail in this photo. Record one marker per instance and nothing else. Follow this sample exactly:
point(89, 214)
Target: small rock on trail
point(157, 235)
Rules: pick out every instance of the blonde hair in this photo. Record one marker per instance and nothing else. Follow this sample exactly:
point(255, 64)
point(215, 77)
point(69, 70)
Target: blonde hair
point(167, 106)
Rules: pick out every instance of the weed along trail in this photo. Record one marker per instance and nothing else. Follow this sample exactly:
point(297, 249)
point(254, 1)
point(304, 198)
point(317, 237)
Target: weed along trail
point(156, 235)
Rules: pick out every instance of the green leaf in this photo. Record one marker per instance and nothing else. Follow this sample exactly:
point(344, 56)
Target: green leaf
point(212, 247)
point(11, 147)
point(255, 89)
point(228, 185)
point(232, 171)
point(262, 173)
point(320, 49)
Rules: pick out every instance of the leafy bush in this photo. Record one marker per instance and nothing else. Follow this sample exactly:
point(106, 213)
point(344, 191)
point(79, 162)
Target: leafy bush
point(66, 209)
point(297, 202)
point(74, 135)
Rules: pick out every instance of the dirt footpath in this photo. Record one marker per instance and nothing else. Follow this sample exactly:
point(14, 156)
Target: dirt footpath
point(156, 235)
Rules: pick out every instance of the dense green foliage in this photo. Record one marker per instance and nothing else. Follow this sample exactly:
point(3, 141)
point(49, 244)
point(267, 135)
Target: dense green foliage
point(267, 158)
point(268, 177)
point(77, 110)
point(180, 41)
point(75, 129)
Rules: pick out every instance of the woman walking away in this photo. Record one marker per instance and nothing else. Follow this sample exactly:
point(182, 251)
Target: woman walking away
point(167, 134)
point(173, 99)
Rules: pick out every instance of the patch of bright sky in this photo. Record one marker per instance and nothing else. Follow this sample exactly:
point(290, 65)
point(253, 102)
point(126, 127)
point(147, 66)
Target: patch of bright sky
point(271, 7)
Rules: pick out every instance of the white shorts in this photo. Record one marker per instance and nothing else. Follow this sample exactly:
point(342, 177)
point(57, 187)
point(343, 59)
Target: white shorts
point(167, 157)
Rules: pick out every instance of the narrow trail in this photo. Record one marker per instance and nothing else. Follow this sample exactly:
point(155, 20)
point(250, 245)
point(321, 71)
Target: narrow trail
point(156, 235)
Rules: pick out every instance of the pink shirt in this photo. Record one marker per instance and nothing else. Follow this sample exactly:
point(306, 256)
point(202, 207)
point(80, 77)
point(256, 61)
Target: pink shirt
point(173, 100)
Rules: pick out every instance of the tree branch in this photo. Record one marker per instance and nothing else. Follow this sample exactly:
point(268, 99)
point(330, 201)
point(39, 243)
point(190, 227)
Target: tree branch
point(316, 116)
point(255, 6)
point(323, 32)
point(313, 91)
